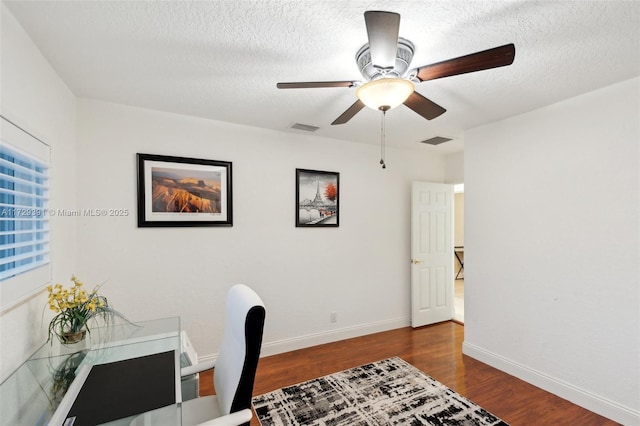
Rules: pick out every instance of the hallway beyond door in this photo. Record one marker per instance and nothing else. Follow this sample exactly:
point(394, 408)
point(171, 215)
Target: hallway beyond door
point(458, 314)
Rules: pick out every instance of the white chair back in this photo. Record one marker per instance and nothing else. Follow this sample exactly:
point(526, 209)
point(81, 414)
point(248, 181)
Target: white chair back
point(237, 360)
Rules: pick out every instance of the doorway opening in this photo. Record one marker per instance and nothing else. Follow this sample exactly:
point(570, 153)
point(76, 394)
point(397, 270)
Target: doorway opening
point(458, 243)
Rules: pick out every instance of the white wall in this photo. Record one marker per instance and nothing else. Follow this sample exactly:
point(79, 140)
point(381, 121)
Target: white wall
point(552, 275)
point(359, 270)
point(454, 165)
point(34, 98)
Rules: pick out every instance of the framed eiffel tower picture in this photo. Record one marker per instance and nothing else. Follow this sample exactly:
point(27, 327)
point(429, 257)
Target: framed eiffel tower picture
point(317, 198)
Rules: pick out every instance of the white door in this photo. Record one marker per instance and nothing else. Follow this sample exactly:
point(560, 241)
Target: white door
point(431, 253)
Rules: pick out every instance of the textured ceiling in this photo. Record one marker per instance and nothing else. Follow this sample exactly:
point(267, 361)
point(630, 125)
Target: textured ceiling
point(222, 59)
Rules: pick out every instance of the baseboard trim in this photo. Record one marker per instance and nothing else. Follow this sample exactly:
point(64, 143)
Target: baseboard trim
point(329, 336)
point(581, 397)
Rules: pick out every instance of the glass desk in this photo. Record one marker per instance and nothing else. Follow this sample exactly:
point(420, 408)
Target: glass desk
point(112, 368)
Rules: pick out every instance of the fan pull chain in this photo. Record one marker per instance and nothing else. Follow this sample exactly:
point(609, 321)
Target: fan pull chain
point(383, 135)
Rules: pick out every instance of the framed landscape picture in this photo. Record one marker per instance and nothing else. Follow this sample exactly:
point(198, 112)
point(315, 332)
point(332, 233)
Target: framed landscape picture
point(317, 198)
point(178, 191)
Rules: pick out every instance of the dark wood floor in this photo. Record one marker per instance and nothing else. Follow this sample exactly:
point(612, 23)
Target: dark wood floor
point(437, 351)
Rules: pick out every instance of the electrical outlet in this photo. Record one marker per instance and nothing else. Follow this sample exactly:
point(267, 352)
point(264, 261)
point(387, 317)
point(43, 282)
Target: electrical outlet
point(333, 317)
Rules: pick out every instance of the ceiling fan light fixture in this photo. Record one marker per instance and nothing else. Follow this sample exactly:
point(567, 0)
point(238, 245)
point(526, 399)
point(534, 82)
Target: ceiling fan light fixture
point(385, 93)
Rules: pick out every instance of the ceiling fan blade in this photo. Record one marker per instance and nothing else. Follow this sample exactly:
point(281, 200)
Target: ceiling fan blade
point(423, 106)
point(316, 84)
point(487, 59)
point(349, 113)
point(382, 30)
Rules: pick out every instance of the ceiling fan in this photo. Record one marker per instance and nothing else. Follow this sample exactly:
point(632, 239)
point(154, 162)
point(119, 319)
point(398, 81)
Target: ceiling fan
point(384, 63)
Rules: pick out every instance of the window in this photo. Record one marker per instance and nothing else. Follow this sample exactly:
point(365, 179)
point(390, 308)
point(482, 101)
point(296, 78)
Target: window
point(24, 219)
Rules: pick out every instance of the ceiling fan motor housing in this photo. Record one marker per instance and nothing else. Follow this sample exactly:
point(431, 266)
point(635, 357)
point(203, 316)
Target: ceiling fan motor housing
point(404, 55)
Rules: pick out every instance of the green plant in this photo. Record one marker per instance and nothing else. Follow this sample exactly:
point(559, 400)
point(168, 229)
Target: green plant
point(74, 307)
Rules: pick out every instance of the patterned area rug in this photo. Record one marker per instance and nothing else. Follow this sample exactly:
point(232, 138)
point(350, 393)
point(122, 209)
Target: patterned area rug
point(388, 392)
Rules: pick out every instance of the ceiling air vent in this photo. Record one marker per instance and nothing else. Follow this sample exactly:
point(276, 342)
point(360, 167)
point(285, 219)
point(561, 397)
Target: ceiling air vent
point(436, 140)
point(305, 127)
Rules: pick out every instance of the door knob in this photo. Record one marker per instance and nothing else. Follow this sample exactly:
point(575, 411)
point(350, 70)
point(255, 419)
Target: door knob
point(416, 261)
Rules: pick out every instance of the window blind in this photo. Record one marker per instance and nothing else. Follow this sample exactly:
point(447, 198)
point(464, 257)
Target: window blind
point(24, 223)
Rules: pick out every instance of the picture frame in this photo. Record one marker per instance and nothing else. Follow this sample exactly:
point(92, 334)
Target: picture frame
point(317, 198)
point(180, 191)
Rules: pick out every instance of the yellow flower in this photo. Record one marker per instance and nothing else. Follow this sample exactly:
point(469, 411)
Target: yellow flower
point(76, 281)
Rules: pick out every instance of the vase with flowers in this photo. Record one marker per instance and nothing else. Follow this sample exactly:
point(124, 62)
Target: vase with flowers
point(74, 308)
